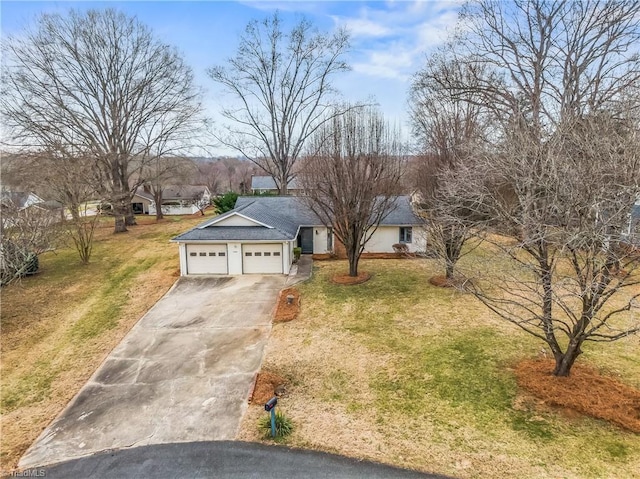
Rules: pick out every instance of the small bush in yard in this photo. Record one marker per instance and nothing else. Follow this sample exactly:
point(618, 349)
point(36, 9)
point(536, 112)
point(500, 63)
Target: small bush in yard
point(284, 426)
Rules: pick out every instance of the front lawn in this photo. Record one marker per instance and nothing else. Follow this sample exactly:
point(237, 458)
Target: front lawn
point(59, 325)
point(400, 371)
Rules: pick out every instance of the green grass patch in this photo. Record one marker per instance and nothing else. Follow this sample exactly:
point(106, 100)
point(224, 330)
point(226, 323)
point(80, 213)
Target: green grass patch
point(28, 388)
point(532, 426)
point(461, 371)
point(109, 302)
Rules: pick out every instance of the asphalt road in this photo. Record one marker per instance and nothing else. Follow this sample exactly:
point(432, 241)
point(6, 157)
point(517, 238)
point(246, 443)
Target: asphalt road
point(221, 459)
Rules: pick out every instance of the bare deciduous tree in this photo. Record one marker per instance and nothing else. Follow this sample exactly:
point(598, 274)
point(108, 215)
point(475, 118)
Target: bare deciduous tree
point(63, 176)
point(163, 171)
point(100, 81)
point(352, 176)
point(562, 175)
point(570, 278)
point(282, 85)
point(451, 130)
point(210, 173)
point(25, 233)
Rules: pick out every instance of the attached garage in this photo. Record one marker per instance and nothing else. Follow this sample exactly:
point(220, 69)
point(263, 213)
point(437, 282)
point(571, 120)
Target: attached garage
point(262, 258)
point(207, 259)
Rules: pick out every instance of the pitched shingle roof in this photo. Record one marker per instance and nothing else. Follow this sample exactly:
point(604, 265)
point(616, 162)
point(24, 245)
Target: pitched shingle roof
point(267, 183)
point(284, 215)
point(188, 192)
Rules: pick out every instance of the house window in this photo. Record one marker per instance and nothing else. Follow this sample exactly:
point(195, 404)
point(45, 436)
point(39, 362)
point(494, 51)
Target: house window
point(267, 253)
point(193, 254)
point(406, 234)
point(257, 253)
point(212, 254)
point(276, 253)
point(203, 254)
point(222, 254)
point(329, 239)
point(247, 253)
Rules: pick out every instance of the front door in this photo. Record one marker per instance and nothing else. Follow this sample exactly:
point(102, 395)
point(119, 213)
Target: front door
point(306, 240)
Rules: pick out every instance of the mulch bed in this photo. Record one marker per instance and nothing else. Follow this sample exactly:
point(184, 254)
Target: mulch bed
point(287, 312)
point(264, 388)
point(345, 279)
point(585, 391)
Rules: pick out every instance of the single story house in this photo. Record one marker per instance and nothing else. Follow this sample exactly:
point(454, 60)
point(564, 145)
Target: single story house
point(266, 184)
point(176, 200)
point(27, 203)
point(259, 235)
point(142, 201)
point(20, 199)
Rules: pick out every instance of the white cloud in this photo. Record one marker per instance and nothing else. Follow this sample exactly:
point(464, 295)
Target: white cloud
point(362, 27)
point(389, 39)
point(392, 63)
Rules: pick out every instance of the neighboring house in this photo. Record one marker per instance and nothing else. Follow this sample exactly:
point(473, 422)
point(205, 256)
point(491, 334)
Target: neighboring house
point(266, 184)
point(20, 199)
point(141, 202)
point(23, 202)
point(176, 200)
point(259, 234)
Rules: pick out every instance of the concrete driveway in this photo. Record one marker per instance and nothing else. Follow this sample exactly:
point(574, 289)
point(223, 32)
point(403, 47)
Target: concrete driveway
point(183, 373)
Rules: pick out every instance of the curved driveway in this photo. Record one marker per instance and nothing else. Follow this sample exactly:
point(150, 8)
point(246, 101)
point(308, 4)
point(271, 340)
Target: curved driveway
point(183, 373)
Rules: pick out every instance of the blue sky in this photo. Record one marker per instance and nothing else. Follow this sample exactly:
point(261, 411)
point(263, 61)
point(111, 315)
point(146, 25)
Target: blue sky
point(389, 38)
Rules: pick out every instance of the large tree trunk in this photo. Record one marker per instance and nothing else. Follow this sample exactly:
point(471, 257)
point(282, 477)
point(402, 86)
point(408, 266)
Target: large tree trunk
point(449, 269)
point(119, 205)
point(157, 197)
point(353, 254)
point(565, 361)
point(120, 225)
point(130, 217)
point(284, 187)
point(353, 266)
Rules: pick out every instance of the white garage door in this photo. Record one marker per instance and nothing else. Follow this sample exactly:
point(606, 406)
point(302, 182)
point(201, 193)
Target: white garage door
point(261, 258)
point(207, 259)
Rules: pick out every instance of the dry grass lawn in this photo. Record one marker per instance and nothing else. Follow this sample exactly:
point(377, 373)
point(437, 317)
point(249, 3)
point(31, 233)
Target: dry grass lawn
point(403, 372)
point(59, 325)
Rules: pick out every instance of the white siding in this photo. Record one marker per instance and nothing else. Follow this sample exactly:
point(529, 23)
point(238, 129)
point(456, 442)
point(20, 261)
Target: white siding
point(383, 240)
point(174, 209)
point(419, 244)
point(182, 249)
point(236, 220)
point(320, 240)
point(287, 256)
point(385, 237)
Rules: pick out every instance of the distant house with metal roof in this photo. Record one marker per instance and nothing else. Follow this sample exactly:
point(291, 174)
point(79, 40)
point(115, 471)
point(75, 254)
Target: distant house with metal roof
point(266, 184)
point(260, 233)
